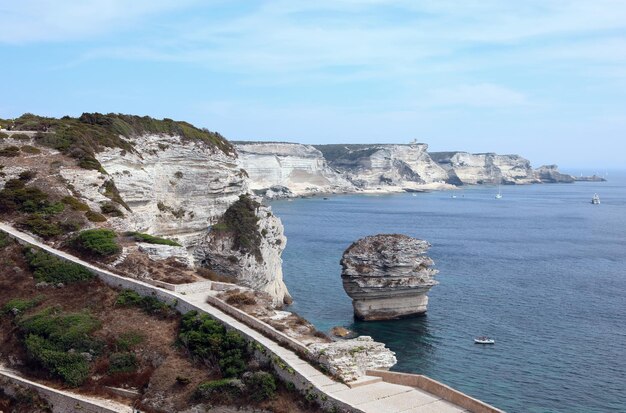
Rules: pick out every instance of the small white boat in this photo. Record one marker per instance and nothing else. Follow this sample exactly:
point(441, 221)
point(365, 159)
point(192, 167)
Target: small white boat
point(595, 200)
point(484, 340)
point(499, 194)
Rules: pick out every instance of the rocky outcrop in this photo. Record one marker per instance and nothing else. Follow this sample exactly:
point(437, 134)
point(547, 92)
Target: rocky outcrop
point(289, 169)
point(174, 187)
point(484, 168)
point(250, 256)
point(550, 174)
point(377, 166)
point(350, 359)
point(387, 276)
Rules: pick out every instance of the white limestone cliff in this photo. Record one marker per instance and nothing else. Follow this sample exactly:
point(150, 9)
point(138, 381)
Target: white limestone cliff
point(175, 188)
point(261, 271)
point(301, 169)
point(485, 168)
point(379, 166)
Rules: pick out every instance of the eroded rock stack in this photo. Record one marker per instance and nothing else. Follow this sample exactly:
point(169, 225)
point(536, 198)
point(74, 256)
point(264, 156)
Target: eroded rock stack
point(387, 276)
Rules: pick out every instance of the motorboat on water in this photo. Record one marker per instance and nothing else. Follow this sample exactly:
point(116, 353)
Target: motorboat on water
point(484, 340)
point(595, 200)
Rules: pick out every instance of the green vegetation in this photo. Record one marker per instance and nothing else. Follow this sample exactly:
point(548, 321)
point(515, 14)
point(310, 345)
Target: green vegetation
point(260, 385)
point(20, 137)
point(61, 343)
point(240, 219)
point(10, 151)
point(27, 175)
point(4, 240)
point(128, 340)
point(341, 152)
point(150, 239)
point(109, 208)
point(124, 362)
point(219, 391)
point(151, 305)
point(111, 192)
point(30, 149)
point(16, 196)
point(54, 270)
point(93, 216)
point(3, 135)
point(97, 242)
point(241, 299)
point(82, 137)
point(208, 340)
point(74, 203)
point(21, 305)
point(40, 225)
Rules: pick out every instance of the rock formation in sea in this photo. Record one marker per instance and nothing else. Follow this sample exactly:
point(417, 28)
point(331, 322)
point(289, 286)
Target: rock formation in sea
point(387, 276)
point(550, 174)
point(378, 166)
point(246, 246)
point(484, 168)
point(279, 170)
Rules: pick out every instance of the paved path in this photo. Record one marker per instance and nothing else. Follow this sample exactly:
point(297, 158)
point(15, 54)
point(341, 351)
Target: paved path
point(375, 396)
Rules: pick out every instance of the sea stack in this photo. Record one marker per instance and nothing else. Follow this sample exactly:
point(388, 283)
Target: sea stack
point(387, 276)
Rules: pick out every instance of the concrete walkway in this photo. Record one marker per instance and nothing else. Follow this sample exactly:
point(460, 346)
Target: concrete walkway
point(372, 396)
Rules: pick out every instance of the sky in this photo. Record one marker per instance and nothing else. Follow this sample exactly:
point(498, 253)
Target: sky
point(545, 79)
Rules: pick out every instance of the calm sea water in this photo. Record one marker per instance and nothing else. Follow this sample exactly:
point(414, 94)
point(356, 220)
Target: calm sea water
point(541, 270)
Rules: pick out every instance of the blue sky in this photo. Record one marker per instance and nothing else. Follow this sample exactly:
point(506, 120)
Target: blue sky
point(545, 79)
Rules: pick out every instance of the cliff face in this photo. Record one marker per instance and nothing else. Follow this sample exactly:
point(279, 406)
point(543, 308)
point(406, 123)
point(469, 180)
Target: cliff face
point(249, 256)
point(373, 166)
point(387, 276)
point(466, 168)
point(174, 188)
point(299, 168)
point(550, 174)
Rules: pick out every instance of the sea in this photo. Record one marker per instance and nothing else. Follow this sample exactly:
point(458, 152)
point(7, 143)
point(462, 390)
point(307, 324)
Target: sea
point(541, 270)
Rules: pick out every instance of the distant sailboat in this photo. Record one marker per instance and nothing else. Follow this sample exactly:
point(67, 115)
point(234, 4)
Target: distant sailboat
point(596, 199)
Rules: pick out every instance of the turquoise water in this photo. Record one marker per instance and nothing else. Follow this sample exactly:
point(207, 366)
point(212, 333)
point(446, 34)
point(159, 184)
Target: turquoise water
point(541, 270)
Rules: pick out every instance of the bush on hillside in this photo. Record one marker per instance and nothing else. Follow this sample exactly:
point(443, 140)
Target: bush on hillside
point(54, 270)
point(222, 391)
point(75, 204)
point(41, 225)
point(240, 219)
point(149, 304)
point(208, 340)
point(10, 151)
point(109, 208)
point(151, 239)
point(60, 342)
point(260, 385)
point(97, 242)
point(93, 216)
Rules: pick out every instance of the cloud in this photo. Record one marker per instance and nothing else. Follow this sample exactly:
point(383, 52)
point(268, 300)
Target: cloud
point(483, 95)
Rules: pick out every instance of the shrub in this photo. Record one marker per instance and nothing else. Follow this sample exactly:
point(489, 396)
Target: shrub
point(111, 192)
point(260, 385)
point(3, 135)
point(178, 175)
point(95, 216)
point(219, 391)
point(208, 340)
point(60, 342)
point(97, 242)
point(20, 304)
point(10, 151)
point(150, 239)
point(122, 363)
point(240, 219)
point(30, 149)
point(40, 225)
point(74, 203)
point(241, 299)
point(20, 137)
point(17, 196)
point(128, 340)
point(110, 209)
point(4, 240)
point(151, 305)
point(54, 270)
point(27, 175)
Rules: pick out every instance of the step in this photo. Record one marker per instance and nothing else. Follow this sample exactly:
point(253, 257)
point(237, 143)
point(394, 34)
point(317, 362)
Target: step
point(363, 381)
